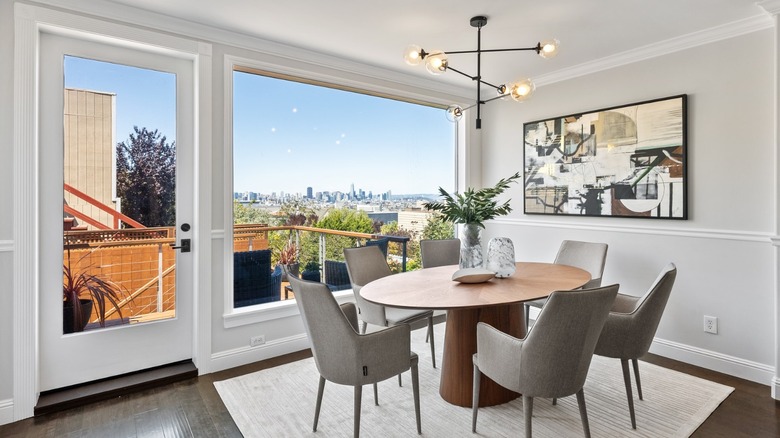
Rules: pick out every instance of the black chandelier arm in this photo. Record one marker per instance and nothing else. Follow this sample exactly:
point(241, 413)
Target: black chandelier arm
point(473, 78)
point(460, 72)
point(537, 48)
point(493, 98)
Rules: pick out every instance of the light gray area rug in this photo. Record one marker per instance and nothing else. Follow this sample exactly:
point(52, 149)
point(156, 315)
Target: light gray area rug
point(279, 402)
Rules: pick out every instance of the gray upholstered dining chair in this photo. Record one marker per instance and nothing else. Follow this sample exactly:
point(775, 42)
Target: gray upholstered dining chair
point(344, 356)
point(631, 326)
point(439, 252)
point(589, 256)
point(554, 357)
point(366, 264)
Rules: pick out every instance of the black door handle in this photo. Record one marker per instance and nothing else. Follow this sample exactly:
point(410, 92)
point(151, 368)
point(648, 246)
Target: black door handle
point(186, 245)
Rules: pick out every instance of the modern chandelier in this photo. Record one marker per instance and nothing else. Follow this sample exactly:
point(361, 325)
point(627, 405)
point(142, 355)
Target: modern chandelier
point(436, 62)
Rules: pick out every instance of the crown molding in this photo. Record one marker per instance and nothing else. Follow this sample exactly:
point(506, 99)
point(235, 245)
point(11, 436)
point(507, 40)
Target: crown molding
point(176, 26)
point(772, 7)
point(684, 42)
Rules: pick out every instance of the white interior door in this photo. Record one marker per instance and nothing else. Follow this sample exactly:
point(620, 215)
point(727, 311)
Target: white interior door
point(161, 332)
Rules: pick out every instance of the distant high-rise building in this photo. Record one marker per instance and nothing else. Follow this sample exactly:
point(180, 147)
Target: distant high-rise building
point(309, 192)
point(352, 191)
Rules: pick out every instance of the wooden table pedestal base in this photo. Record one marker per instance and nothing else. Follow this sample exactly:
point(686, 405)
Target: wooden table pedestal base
point(460, 344)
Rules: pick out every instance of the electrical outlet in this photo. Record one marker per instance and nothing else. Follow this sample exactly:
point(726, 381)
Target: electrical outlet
point(710, 324)
point(254, 341)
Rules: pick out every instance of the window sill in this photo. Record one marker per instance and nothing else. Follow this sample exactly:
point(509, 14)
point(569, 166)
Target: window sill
point(272, 311)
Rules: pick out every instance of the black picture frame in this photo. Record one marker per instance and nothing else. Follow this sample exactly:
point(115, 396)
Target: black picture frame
point(625, 161)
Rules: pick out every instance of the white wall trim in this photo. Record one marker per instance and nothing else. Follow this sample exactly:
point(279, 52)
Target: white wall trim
point(275, 310)
point(6, 245)
point(643, 228)
point(139, 17)
point(6, 411)
point(723, 363)
point(244, 355)
point(25, 228)
point(772, 7)
point(776, 388)
point(29, 22)
point(672, 45)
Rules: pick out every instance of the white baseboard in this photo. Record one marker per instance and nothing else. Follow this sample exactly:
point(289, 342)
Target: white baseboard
point(245, 355)
point(776, 388)
point(6, 411)
point(733, 366)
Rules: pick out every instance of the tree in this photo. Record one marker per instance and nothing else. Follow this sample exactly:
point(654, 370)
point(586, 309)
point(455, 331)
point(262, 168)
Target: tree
point(438, 228)
point(396, 248)
point(343, 219)
point(146, 178)
point(246, 214)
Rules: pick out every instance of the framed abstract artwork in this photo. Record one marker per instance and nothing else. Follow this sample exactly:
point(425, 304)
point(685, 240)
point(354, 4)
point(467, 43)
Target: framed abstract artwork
point(626, 161)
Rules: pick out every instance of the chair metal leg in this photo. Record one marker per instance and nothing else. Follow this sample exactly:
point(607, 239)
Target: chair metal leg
point(319, 403)
point(636, 376)
point(363, 326)
point(376, 395)
point(627, 380)
point(528, 409)
point(555, 401)
point(475, 398)
point(358, 400)
point(430, 334)
point(416, 391)
point(583, 412)
point(400, 383)
point(527, 317)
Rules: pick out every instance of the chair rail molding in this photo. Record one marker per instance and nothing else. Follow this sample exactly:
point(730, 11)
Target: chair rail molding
point(703, 233)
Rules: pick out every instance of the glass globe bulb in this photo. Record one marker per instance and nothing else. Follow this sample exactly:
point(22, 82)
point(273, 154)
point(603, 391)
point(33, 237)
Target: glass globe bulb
point(454, 113)
point(413, 55)
point(436, 62)
point(549, 48)
point(522, 90)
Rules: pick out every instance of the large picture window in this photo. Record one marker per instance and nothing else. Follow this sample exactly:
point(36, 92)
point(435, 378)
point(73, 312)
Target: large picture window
point(317, 168)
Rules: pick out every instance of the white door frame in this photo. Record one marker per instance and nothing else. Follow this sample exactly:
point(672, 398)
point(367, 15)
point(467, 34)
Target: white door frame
point(29, 21)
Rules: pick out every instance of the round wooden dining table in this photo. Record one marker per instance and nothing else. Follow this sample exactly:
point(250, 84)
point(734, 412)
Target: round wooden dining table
point(498, 302)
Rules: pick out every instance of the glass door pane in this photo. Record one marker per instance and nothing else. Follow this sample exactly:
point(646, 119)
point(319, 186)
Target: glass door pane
point(119, 194)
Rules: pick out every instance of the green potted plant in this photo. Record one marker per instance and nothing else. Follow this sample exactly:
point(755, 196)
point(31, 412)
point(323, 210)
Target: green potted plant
point(472, 208)
point(311, 271)
point(81, 293)
point(288, 256)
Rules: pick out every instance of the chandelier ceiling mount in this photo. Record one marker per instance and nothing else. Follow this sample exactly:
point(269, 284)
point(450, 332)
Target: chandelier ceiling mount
point(437, 62)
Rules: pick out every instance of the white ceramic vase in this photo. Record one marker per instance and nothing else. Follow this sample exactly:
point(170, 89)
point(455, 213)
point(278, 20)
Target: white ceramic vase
point(471, 246)
point(501, 257)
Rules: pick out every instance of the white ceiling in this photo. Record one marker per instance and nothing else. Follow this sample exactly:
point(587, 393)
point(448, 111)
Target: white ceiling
point(376, 32)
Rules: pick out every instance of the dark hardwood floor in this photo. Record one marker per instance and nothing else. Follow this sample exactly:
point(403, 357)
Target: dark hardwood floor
point(192, 408)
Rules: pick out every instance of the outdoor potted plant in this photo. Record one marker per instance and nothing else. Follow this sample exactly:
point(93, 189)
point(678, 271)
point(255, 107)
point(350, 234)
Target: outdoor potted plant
point(472, 208)
point(82, 292)
point(288, 256)
point(311, 271)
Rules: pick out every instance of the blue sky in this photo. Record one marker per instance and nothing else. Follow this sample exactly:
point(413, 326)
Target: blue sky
point(144, 98)
point(289, 135)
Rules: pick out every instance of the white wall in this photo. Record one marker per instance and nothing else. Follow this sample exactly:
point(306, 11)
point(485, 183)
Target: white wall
point(6, 199)
point(723, 252)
